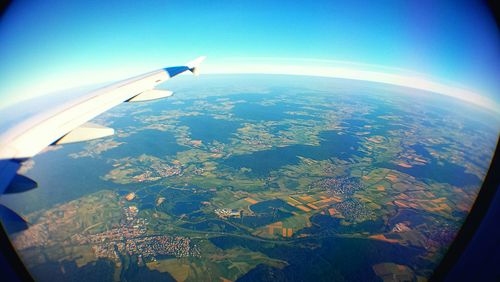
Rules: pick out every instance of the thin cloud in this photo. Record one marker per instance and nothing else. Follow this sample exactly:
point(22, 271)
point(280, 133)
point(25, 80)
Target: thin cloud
point(356, 71)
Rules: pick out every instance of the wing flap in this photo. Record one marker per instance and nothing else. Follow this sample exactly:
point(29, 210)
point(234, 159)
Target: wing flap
point(194, 65)
point(149, 95)
point(85, 132)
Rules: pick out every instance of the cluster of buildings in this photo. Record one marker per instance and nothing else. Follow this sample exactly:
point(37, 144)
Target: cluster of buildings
point(225, 213)
point(159, 170)
point(35, 236)
point(130, 227)
point(165, 170)
point(254, 141)
point(151, 246)
point(147, 246)
point(145, 176)
point(339, 186)
point(130, 196)
point(198, 170)
point(131, 238)
point(109, 250)
point(400, 227)
point(354, 210)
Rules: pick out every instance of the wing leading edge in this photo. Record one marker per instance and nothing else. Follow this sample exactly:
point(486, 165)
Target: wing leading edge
point(68, 123)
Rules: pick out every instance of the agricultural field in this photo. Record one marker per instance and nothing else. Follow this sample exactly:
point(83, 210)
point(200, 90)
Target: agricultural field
point(314, 182)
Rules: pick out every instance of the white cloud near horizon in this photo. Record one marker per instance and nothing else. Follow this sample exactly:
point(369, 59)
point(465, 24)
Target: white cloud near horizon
point(358, 71)
point(267, 65)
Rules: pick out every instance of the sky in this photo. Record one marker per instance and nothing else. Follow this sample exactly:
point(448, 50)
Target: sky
point(454, 46)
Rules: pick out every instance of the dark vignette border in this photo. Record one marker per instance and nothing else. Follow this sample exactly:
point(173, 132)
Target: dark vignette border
point(461, 259)
point(470, 227)
point(11, 266)
point(13, 269)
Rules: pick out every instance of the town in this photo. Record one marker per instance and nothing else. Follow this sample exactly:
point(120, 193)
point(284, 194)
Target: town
point(225, 213)
point(130, 238)
point(159, 171)
point(339, 186)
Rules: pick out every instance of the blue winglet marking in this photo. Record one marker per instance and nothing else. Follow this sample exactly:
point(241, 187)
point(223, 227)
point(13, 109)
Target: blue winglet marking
point(173, 71)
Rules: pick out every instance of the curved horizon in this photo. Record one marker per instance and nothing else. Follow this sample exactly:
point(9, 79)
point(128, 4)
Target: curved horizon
point(412, 80)
point(362, 72)
point(449, 48)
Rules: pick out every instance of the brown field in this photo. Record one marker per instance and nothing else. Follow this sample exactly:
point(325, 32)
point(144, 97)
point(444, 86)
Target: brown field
point(312, 206)
point(336, 199)
point(326, 201)
point(251, 201)
point(307, 198)
point(439, 200)
point(303, 208)
point(196, 142)
point(391, 177)
point(401, 204)
point(276, 225)
point(292, 200)
point(375, 139)
point(383, 238)
point(435, 207)
point(402, 196)
point(332, 211)
point(420, 160)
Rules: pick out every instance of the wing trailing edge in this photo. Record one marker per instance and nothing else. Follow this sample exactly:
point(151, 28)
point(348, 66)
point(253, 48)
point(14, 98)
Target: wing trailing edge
point(85, 132)
point(149, 95)
point(194, 65)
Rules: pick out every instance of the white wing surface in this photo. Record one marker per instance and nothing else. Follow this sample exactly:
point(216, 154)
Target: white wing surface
point(67, 123)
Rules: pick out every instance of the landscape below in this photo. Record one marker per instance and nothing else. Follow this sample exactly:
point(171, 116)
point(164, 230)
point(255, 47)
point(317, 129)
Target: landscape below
point(258, 178)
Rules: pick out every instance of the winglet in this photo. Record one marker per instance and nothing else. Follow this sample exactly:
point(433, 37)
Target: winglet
point(194, 64)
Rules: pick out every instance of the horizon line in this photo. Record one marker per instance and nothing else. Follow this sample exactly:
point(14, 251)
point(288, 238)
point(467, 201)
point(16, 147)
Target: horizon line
point(414, 81)
point(410, 79)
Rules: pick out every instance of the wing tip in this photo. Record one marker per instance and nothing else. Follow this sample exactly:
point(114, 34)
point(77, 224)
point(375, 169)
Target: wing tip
point(194, 64)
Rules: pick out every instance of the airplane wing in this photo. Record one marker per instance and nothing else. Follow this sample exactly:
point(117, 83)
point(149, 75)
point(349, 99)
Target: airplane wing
point(67, 123)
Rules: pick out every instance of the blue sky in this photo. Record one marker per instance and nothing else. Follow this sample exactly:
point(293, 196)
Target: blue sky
point(50, 45)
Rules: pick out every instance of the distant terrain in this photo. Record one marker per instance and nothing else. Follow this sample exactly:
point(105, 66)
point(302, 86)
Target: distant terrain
point(259, 178)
